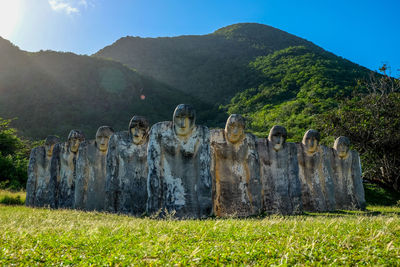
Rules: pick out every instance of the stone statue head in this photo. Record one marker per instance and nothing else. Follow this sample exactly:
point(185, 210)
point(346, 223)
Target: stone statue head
point(277, 137)
point(103, 135)
point(184, 120)
point(234, 128)
point(139, 130)
point(342, 146)
point(311, 141)
point(75, 138)
point(51, 140)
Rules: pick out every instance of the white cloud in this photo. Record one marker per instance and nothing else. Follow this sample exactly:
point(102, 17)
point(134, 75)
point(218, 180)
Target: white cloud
point(69, 6)
point(63, 6)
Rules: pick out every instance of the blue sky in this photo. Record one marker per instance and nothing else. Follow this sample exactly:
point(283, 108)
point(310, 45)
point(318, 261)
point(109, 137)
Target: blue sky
point(363, 31)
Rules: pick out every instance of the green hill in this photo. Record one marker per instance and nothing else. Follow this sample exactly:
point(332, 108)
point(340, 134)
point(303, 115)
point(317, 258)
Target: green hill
point(270, 76)
point(52, 93)
point(213, 67)
point(266, 74)
point(294, 85)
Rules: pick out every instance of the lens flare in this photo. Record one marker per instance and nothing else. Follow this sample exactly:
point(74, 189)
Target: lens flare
point(10, 14)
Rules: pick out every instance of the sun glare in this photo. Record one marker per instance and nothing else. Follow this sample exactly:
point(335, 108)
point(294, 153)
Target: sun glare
point(10, 14)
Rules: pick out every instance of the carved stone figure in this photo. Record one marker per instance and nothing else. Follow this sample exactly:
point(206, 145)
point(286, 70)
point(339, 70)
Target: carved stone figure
point(38, 187)
point(235, 170)
point(127, 170)
point(347, 176)
point(64, 169)
point(179, 179)
point(281, 190)
point(315, 174)
point(90, 184)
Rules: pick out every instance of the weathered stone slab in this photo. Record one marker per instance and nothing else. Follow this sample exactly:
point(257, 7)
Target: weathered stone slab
point(90, 193)
point(315, 172)
point(279, 171)
point(39, 191)
point(127, 170)
point(235, 170)
point(179, 179)
point(64, 169)
point(347, 176)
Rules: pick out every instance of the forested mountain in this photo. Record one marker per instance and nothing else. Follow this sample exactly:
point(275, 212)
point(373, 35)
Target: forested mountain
point(213, 67)
point(293, 85)
point(52, 92)
point(270, 76)
point(266, 74)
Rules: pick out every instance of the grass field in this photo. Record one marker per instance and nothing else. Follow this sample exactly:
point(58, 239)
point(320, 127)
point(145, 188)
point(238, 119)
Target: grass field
point(31, 236)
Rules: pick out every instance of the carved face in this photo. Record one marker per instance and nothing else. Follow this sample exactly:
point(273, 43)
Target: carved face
point(234, 128)
point(49, 144)
point(102, 137)
point(139, 129)
point(184, 120)
point(277, 137)
point(75, 138)
point(311, 141)
point(49, 149)
point(341, 146)
point(138, 135)
point(74, 144)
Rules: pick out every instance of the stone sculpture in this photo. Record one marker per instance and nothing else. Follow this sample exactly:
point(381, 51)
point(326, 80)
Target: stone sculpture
point(315, 174)
point(179, 179)
point(183, 169)
point(38, 187)
point(64, 169)
point(127, 170)
point(349, 190)
point(235, 170)
point(90, 184)
point(279, 171)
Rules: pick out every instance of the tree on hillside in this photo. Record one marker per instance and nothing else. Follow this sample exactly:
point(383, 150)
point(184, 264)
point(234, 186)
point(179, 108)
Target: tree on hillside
point(372, 122)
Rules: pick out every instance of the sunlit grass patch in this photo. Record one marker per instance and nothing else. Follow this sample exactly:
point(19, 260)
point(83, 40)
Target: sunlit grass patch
point(43, 236)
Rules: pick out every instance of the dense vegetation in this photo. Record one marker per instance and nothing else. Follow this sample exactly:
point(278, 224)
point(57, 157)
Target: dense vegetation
point(294, 85)
point(14, 154)
point(372, 122)
point(31, 236)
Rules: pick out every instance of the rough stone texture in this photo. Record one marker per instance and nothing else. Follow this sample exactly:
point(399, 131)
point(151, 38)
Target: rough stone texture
point(235, 171)
point(39, 189)
point(64, 169)
point(279, 171)
point(90, 193)
point(347, 176)
point(38, 184)
point(63, 176)
point(127, 170)
point(315, 172)
point(179, 177)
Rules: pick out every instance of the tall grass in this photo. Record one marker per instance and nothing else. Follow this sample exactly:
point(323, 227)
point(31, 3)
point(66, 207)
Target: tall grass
point(40, 236)
point(33, 236)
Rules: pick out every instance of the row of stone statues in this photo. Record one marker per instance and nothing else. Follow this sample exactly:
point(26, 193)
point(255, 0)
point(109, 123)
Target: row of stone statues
point(181, 168)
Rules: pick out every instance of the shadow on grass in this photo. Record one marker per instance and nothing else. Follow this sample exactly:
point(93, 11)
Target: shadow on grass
point(12, 200)
point(379, 196)
point(380, 201)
